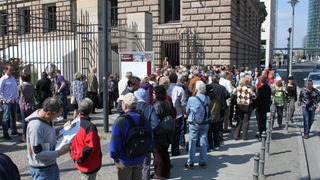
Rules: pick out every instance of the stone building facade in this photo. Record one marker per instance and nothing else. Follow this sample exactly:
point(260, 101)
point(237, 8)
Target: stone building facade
point(224, 32)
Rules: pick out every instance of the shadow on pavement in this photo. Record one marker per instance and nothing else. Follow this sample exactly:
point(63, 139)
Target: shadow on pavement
point(216, 162)
point(282, 152)
point(278, 173)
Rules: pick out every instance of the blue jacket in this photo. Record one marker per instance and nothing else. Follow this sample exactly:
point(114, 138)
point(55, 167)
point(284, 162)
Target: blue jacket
point(120, 129)
point(150, 114)
point(194, 104)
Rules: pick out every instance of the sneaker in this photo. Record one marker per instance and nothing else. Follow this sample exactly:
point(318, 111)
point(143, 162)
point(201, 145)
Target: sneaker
point(16, 133)
point(6, 136)
point(59, 119)
point(190, 166)
point(305, 137)
point(217, 148)
point(203, 165)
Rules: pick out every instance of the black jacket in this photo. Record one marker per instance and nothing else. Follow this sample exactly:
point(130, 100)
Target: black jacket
point(43, 89)
point(263, 100)
point(221, 92)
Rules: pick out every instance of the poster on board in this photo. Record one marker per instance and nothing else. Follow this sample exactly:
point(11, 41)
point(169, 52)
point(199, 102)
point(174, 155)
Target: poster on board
point(139, 63)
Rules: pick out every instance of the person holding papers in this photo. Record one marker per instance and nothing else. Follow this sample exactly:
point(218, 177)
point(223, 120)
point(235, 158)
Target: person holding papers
point(41, 140)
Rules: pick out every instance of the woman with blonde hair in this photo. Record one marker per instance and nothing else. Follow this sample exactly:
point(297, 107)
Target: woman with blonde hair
point(78, 91)
point(245, 95)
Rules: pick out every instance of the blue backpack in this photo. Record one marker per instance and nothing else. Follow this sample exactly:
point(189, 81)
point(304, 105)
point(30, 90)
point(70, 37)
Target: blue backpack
point(201, 116)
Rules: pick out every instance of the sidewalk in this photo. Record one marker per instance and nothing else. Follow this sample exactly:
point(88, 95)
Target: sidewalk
point(233, 161)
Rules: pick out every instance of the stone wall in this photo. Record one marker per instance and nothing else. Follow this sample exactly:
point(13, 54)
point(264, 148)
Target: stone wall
point(224, 42)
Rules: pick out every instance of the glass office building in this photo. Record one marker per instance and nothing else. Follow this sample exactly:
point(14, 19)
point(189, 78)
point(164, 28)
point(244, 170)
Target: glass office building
point(313, 38)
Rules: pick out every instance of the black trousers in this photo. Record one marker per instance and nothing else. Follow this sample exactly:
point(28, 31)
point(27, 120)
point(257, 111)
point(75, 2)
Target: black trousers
point(161, 161)
point(262, 121)
point(243, 120)
point(93, 97)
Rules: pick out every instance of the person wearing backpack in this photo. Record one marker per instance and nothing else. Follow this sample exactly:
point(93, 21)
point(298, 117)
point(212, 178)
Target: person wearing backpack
point(150, 114)
point(199, 117)
point(85, 146)
point(131, 139)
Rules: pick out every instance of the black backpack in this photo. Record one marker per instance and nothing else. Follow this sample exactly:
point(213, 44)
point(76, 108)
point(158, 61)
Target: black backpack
point(138, 139)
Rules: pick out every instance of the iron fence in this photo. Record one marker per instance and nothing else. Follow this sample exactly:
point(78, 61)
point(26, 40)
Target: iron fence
point(41, 38)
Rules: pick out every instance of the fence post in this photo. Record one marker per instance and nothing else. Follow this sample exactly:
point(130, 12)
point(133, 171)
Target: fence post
point(268, 138)
point(262, 155)
point(270, 128)
point(256, 166)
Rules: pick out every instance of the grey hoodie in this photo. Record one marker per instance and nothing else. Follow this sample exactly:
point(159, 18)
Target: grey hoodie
point(41, 142)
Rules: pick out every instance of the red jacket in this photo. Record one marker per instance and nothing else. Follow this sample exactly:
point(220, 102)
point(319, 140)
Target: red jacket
point(85, 147)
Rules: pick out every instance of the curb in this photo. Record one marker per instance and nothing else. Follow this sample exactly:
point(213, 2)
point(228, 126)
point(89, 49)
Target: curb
point(305, 175)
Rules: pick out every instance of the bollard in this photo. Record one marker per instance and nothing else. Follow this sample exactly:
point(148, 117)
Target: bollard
point(270, 128)
point(262, 155)
point(256, 166)
point(287, 118)
point(268, 142)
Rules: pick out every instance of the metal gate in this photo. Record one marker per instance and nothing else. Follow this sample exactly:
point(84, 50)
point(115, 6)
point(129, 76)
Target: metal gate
point(37, 37)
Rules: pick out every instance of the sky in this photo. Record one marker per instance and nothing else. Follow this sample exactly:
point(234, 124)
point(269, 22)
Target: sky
point(285, 21)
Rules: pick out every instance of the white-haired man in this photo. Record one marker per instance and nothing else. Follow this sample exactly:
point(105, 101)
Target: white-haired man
point(199, 116)
point(278, 99)
point(123, 83)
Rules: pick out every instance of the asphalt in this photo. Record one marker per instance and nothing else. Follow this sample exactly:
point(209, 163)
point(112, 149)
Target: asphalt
point(291, 157)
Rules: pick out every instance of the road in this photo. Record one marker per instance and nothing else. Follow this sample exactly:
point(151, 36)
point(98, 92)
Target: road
point(311, 145)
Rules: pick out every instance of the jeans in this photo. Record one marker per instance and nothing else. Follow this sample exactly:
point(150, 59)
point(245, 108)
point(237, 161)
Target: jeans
point(308, 118)
point(196, 130)
point(146, 167)
point(176, 137)
point(63, 97)
point(24, 123)
point(9, 113)
point(47, 173)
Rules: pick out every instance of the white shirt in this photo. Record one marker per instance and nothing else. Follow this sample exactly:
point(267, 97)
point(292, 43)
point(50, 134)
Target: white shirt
point(123, 83)
point(227, 84)
point(178, 97)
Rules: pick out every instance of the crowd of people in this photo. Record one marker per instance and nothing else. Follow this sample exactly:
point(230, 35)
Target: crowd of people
point(155, 112)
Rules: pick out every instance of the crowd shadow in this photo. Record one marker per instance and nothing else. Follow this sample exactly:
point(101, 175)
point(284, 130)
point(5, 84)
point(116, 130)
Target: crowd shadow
point(215, 163)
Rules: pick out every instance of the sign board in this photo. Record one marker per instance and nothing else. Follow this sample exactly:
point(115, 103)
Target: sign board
point(139, 63)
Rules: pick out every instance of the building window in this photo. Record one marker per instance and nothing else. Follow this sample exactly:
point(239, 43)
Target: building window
point(171, 50)
point(24, 21)
point(50, 18)
point(238, 13)
point(114, 12)
point(4, 23)
point(171, 11)
point(74, 15)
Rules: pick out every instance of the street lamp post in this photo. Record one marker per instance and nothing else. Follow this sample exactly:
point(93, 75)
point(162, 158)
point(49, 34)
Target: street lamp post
point(288, 61)
point(293, 4)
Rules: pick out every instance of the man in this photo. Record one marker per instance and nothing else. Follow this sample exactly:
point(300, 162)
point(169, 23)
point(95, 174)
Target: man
point(93, 87)
point(150, 114)
point(179, 101)
point(123, 83)
point(278, 100)
point(215, 129)
point(9, 96)
point(262, 103)
point(41, 140)
point(193, 81)
point(133, 85)
point(85, 146)
point(228, 85)
point(258, 83)
point(127, 168)
point(309, 99)
point(199, 117)
point(248, 71)
point(8, 170)
point(61, 92)
point(43, 88)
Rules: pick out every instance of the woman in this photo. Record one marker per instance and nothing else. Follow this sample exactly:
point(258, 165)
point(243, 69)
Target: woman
point(278, 101)
point(27, 94)
point(161, 140)
point(78, 91)
point(148, 87)
point(291, 90)
point(152, 79)
point(245, 95)
point(198, 115)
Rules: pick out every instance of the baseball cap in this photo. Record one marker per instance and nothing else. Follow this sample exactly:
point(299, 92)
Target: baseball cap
point(129, 99)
